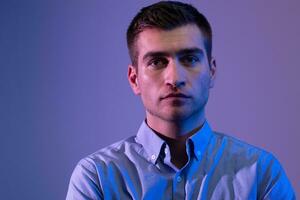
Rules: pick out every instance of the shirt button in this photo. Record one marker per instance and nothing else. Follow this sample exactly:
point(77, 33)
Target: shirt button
point(153, 157)
point(179, 179)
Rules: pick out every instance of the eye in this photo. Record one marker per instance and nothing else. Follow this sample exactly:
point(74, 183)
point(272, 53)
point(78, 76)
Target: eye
point(158, 63)
point(189, 60)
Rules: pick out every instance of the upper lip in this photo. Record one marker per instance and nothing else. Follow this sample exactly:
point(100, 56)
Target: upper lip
point(175, 95)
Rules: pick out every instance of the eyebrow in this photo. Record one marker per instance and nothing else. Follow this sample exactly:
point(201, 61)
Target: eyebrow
point(193, 50)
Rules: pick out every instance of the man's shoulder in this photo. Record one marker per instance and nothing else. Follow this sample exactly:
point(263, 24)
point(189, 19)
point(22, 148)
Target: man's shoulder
point(89, 169)
point(116, 152)
point(239, 149)
point(250, 163)
point(239, 155)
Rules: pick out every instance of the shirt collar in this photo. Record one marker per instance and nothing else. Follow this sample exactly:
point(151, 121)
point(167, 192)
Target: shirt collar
point(201, 139)
point(152, 143)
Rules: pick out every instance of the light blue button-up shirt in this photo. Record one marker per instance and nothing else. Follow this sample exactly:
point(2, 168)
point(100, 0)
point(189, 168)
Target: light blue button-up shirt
point(218, 167)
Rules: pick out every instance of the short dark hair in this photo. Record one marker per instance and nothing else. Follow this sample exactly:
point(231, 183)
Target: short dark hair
point(166, 15)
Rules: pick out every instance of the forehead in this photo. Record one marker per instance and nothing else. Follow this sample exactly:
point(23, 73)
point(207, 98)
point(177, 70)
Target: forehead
point(171, 41)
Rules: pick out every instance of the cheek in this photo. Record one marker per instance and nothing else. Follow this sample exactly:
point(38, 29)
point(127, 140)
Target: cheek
point(146, 88)
point(149, 83)
point(202, 83)
point(149, 92)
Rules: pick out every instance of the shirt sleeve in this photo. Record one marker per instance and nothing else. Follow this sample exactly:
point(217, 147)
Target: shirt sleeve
point(84, 183)
point(274, 183)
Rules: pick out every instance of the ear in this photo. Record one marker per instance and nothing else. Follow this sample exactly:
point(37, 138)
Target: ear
point(133, 79)
point(213, 71)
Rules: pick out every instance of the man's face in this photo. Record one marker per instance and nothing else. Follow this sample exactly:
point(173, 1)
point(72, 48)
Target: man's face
point(174, 74)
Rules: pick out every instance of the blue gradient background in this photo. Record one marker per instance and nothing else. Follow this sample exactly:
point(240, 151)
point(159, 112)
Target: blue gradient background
point(64, 92)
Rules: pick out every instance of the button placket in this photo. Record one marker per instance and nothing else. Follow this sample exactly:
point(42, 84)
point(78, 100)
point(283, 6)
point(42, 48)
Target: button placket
point(178, 179)
point(178, 187)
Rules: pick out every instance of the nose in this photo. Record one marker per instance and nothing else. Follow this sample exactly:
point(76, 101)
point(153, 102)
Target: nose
point(175, 75)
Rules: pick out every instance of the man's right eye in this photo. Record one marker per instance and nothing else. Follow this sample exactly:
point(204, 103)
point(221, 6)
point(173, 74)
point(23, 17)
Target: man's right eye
point(158, 63)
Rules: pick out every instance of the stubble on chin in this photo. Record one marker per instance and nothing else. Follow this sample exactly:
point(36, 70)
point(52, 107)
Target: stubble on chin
point(174, 114)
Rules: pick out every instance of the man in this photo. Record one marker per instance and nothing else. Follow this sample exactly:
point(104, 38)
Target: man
point(175, 154)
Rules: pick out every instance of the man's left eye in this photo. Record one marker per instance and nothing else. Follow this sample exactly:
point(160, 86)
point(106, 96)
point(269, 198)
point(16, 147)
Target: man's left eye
point(189, 60)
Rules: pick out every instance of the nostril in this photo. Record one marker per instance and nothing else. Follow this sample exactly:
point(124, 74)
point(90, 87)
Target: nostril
point(177, 84)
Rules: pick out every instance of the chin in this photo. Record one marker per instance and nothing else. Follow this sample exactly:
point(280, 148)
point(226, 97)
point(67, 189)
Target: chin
point(179, 115)
point(175, 116)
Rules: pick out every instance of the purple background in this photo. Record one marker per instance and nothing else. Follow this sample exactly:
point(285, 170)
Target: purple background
point(64, 92)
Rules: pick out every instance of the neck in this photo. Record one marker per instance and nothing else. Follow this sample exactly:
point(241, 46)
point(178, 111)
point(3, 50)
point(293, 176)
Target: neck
point(176, 130)
point(175, 134)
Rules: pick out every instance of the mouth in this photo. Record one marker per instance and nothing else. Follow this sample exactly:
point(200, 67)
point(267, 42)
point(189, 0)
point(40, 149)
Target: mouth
point(175, 95)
